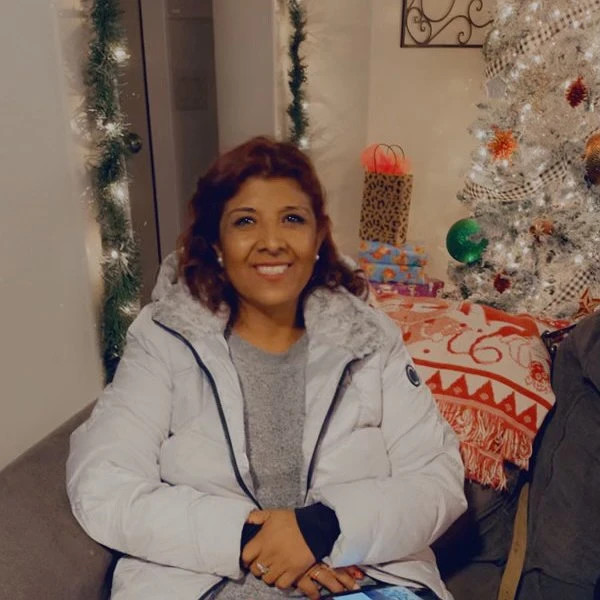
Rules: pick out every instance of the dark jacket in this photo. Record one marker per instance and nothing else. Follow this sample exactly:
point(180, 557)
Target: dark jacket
point(564, 504)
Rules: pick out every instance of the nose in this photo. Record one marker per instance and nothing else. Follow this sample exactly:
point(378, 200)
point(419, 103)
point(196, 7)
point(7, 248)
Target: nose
point(271, 238)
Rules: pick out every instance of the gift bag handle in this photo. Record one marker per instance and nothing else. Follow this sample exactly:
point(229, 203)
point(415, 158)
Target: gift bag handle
point(390, 147)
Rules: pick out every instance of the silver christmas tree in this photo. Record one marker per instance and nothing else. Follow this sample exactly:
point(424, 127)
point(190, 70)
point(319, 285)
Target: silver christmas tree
point(534, 183)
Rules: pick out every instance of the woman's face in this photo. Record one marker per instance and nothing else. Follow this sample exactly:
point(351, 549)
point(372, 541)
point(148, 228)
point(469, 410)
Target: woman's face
point(268, 241)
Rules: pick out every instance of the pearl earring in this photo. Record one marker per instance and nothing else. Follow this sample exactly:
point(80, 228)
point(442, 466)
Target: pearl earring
point(220, 260)
point(317, 257)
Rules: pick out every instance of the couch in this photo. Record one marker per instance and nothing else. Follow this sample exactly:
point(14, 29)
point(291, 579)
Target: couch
point(44, 554)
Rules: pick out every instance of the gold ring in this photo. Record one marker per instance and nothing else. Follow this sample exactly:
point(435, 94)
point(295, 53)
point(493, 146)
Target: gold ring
point(263, 570)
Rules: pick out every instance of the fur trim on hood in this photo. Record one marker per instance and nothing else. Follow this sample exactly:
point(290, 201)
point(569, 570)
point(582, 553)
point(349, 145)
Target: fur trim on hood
point(336, 316)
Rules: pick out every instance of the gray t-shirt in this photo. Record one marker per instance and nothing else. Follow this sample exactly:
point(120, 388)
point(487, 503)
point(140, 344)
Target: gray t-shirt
point(273, 386)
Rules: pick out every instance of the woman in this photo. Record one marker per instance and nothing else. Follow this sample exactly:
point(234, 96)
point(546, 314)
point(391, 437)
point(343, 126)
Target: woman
point(264, 418)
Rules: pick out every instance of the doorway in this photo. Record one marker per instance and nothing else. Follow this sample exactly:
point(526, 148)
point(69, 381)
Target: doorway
point(169, 97)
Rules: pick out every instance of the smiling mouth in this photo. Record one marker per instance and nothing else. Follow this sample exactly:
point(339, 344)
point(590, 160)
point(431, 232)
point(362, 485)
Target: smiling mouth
point(272, 269)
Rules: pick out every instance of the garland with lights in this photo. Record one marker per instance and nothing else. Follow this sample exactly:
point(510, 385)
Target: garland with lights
point(297, 75)
point(113, 144)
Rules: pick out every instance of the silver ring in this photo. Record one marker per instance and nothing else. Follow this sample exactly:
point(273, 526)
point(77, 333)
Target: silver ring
point(263, 570)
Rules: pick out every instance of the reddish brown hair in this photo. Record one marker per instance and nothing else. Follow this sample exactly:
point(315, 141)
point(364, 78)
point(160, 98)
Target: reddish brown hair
point(258, 157)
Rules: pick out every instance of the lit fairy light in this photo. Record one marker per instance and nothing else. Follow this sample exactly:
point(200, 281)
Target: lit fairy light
point(112, 128)
point(578, 259)
point(118, 257)
point(119, 53)
point(303, 142)
point(120, 191)
point(131, 309)
point(305, 105)
point(533, 6)
point(505, 12)
point(556, 13)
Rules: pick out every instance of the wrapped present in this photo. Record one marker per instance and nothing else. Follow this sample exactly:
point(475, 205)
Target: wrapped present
point(431, 289)
point(379, 252)
point(386, 199)
point(382, 273)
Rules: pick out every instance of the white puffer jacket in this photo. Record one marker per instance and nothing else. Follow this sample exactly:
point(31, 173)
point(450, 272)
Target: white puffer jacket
point(159, 471)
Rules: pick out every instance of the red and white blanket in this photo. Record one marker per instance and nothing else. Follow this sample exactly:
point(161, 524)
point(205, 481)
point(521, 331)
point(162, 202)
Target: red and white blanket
point(489, 372)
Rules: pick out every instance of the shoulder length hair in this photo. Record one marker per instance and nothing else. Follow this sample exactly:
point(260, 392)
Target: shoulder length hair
point(266, 158)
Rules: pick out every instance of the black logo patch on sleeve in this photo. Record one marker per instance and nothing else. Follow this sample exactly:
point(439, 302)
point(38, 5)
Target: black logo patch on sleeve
point(412, 375)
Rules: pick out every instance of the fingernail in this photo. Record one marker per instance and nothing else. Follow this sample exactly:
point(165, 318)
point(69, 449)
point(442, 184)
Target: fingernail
point(356, 586)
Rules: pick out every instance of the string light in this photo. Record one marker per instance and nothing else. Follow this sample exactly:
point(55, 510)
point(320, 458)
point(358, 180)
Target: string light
point(120, 54)
point(120, 191)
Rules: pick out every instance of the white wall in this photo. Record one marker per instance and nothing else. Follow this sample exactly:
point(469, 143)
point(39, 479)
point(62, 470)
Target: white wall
point(49, 363)
point(245, 69)
point(337, 57)
point(424, 99)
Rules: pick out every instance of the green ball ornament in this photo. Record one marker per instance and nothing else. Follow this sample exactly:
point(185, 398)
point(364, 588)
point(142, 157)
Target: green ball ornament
point(464, 241)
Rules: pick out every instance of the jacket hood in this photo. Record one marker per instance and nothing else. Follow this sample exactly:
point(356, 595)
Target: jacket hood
point(336, 316)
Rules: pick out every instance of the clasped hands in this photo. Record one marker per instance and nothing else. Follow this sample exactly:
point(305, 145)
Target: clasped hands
point(279, 555)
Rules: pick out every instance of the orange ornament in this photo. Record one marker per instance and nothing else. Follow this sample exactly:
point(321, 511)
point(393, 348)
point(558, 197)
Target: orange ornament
point(541, 227)
point(503, 145)
point(592, 159)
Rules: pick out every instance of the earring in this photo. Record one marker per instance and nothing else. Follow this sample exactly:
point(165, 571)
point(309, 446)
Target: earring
point(220, 260)
point(317, 257)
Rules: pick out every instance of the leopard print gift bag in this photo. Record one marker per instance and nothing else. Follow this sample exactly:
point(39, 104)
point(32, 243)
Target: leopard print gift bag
point(386, 195)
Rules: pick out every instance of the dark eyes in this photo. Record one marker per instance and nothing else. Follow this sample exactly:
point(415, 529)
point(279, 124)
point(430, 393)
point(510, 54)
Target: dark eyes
point(293, 218)
point(289, 218)
point(243, 221)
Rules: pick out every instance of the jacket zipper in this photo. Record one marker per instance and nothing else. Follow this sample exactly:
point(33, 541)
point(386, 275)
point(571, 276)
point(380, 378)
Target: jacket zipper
point(332, 405)
point(211, 589)
point(213, 386)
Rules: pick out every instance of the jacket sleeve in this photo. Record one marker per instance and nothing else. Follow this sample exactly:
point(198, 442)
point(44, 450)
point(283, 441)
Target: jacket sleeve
point(391, 518)
point(113, 472)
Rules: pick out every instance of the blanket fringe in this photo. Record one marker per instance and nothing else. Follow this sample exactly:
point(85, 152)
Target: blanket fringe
point(486, 441)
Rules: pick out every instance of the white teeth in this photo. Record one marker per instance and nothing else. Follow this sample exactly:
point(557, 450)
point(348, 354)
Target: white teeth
point(272, 270)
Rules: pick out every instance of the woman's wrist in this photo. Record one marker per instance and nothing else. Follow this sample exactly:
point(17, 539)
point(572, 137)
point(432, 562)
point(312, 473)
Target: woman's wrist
point(319, 527)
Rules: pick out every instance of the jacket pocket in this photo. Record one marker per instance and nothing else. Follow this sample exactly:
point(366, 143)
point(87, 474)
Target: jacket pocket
point(359, 455)
point(191, 458)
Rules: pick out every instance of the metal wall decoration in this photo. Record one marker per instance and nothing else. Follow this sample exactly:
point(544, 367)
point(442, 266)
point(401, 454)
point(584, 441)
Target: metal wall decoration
point(445, 23)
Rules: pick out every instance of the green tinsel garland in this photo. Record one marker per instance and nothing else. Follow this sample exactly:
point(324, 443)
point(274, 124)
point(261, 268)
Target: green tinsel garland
point(120, 266)
point(297, 74)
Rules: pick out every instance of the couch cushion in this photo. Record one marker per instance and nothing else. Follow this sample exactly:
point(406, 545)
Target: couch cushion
point(44, 553)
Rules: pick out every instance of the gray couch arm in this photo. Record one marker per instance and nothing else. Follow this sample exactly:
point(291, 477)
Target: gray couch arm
point(44, 553)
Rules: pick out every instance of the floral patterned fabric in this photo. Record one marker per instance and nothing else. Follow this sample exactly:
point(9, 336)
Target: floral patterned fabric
point(489, 372)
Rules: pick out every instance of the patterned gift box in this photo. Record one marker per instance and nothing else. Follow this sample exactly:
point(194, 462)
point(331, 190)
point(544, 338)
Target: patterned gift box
point(431, 289)
point(408, 254)
point(386, 273)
